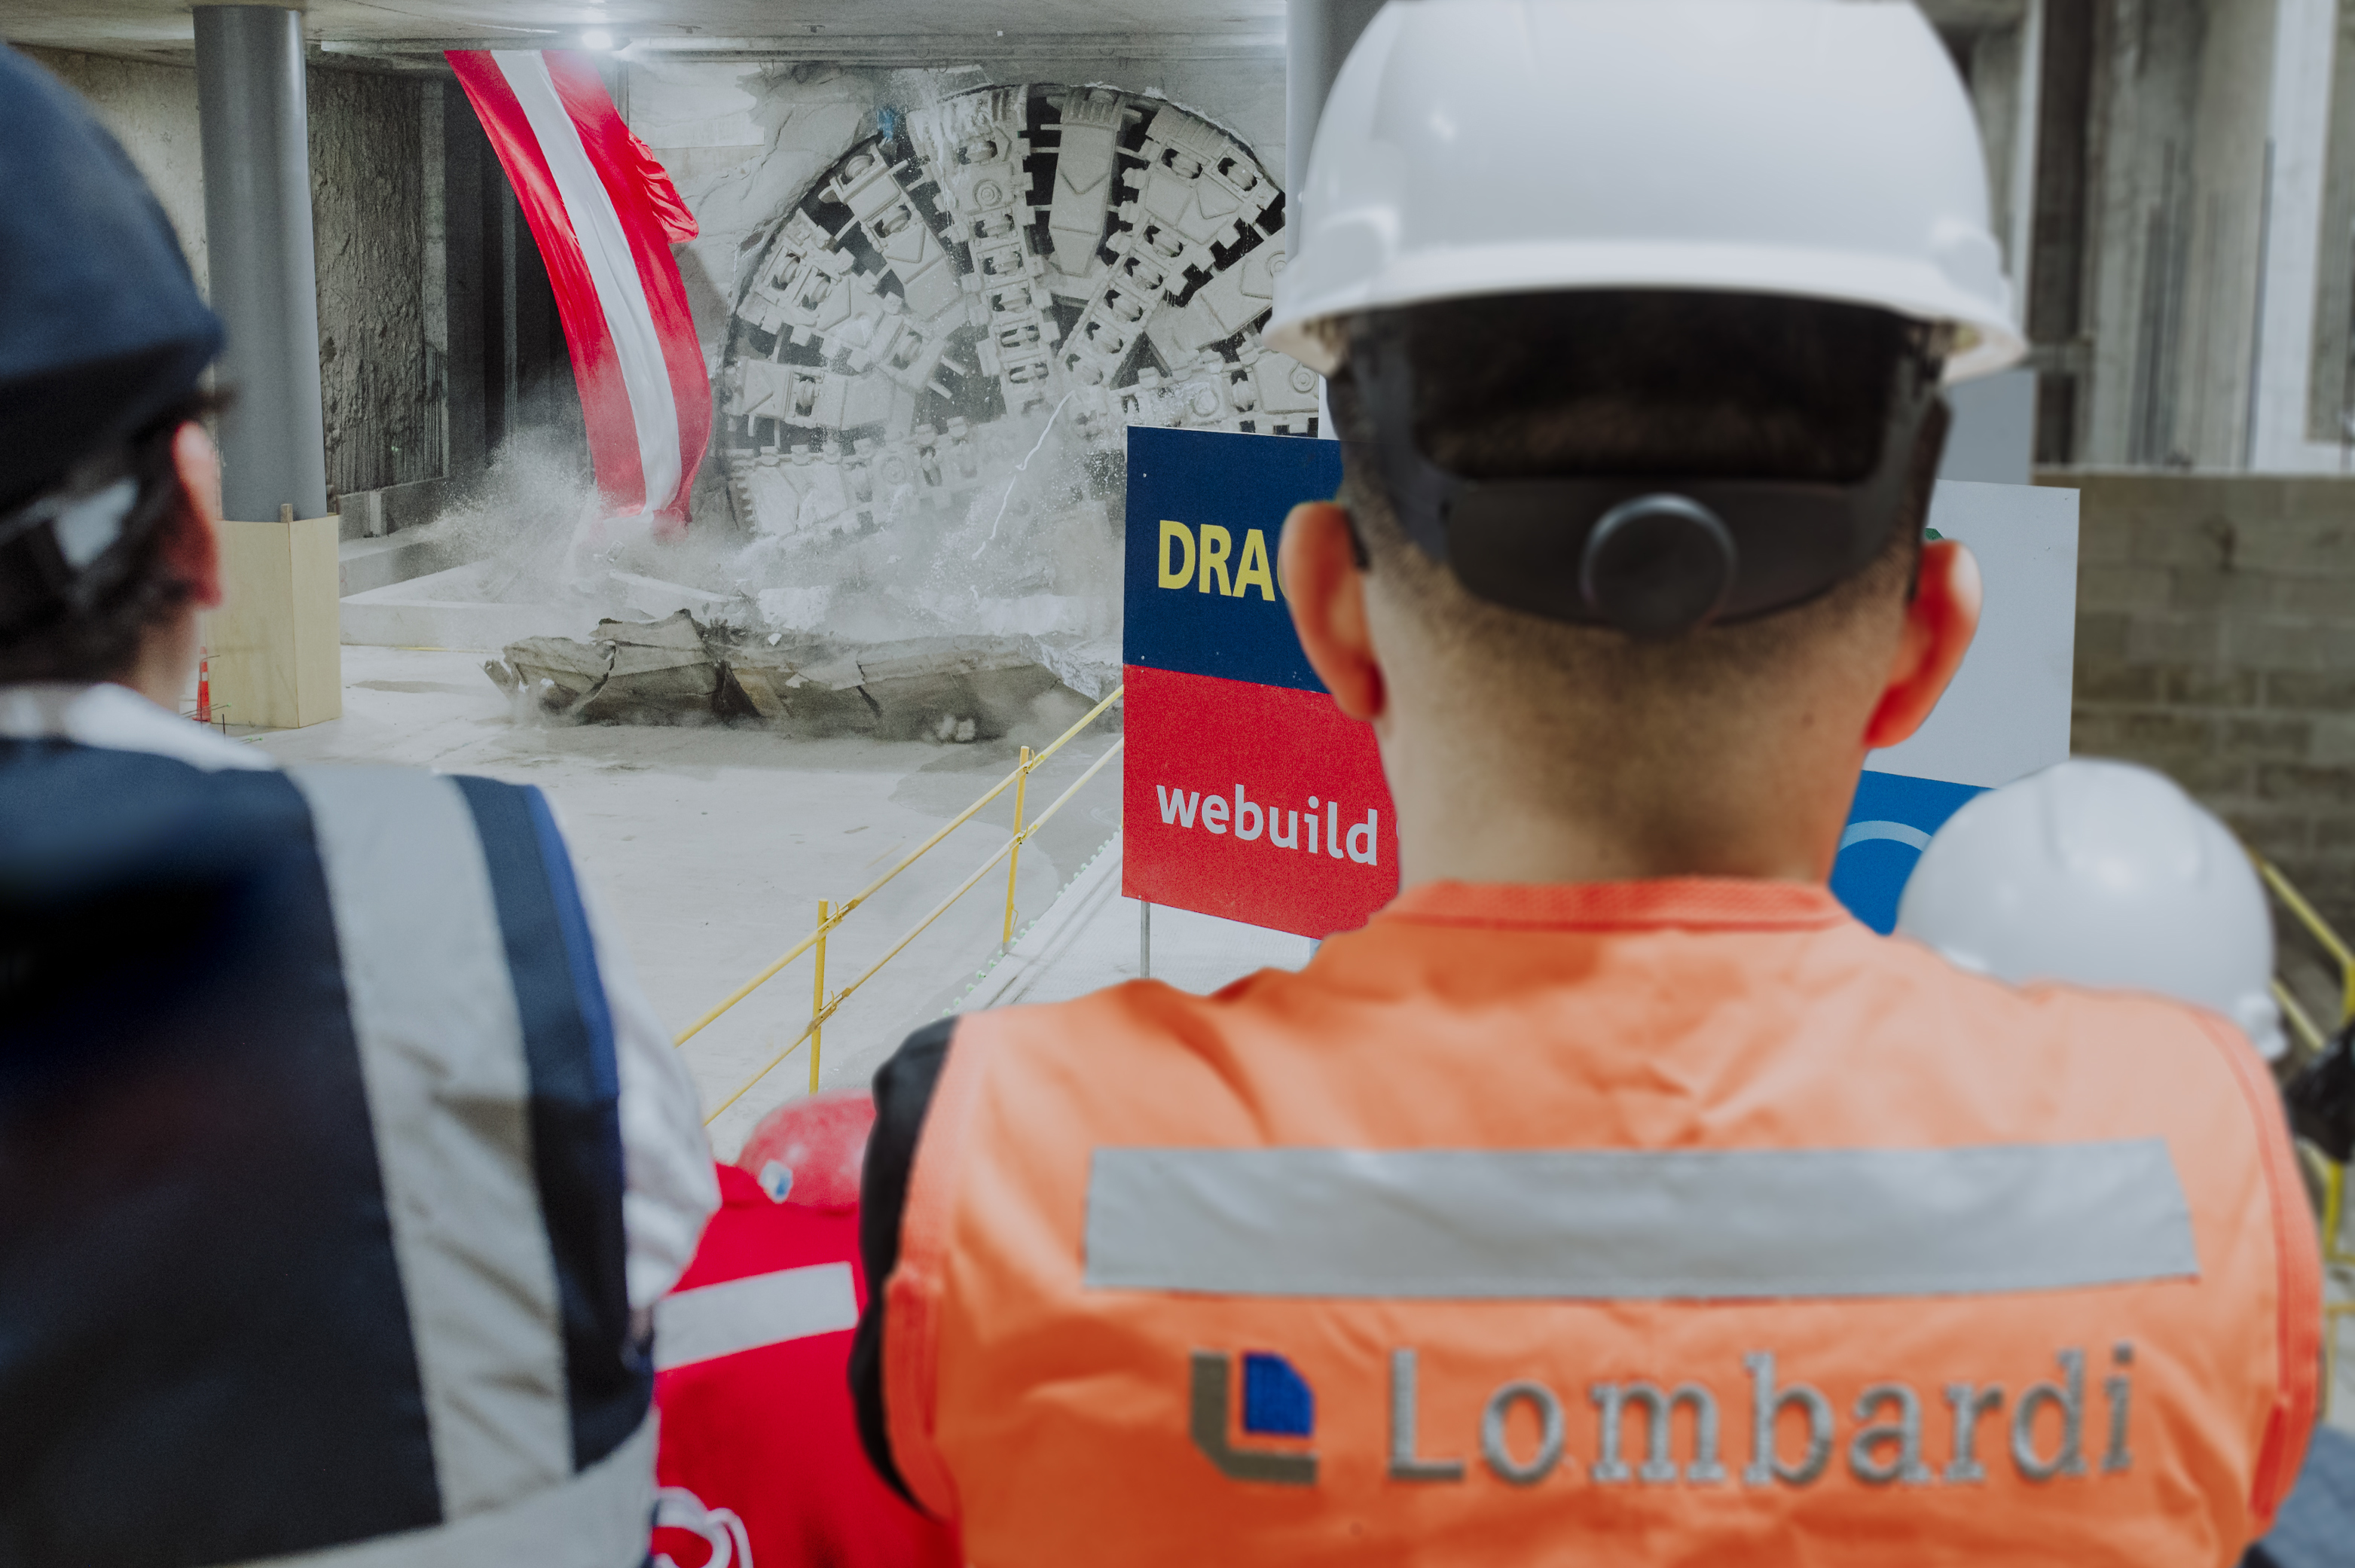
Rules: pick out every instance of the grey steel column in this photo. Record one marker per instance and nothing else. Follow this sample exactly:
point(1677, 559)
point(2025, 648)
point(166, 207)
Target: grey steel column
point(258, 236)
point(1317, 36)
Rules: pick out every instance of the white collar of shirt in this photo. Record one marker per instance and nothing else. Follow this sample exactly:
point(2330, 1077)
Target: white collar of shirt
point(118, 719)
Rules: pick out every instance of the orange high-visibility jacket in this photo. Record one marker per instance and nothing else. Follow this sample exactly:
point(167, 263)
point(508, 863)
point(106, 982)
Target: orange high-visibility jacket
point(1674, 1222)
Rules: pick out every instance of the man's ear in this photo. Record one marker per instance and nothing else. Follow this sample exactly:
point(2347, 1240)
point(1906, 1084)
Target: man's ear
point(1939, 624)
point(192, 550)
point(1317, 564)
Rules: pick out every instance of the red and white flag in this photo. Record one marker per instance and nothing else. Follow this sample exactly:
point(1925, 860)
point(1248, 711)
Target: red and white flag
point(605, 215)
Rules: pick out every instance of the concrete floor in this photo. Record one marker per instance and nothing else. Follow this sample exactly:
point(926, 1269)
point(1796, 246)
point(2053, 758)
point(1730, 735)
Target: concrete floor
point(711, 846)
point(1091, 937)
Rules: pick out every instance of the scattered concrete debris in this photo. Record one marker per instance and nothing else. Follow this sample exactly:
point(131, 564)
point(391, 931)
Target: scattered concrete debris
point(661, 666)
point(557, 672)
point(677, 669)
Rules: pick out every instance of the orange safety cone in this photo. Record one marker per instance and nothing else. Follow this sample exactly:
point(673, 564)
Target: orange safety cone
point(204, 686)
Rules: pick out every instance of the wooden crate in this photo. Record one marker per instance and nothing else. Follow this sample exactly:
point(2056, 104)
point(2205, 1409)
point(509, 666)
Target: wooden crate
point(276, 647)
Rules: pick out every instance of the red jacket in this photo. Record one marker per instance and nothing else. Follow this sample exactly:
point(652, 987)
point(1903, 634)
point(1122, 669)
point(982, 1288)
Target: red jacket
point(761, 1464)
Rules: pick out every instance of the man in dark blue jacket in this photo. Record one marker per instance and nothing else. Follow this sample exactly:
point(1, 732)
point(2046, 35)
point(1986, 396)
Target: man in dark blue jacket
point(340, 1161)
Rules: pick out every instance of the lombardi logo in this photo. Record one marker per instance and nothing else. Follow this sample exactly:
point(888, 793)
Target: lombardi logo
point(1277, 1403)
point(2054, 1427)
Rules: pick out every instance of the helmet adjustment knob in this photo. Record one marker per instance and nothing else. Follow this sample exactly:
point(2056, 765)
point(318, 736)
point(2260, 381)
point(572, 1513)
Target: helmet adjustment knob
point(1659, 566)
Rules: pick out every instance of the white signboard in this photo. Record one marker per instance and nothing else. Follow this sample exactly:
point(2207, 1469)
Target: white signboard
point(2007, 712)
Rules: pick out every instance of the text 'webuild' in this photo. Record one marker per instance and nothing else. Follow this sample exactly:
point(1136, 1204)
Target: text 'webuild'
point(1249, 819)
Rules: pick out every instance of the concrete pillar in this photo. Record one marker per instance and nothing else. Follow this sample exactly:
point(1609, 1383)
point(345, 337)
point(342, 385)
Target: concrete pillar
point(2295, 407)
point(249, 85)
point(1317, 36)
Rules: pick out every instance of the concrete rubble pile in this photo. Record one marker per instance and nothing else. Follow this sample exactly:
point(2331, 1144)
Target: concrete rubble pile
point(677, 669)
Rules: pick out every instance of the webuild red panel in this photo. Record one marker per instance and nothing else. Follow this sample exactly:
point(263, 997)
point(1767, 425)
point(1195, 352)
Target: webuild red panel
point(1220, 773)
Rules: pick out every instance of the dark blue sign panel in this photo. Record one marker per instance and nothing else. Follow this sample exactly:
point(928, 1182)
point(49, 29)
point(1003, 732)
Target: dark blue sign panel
point(1205, 512)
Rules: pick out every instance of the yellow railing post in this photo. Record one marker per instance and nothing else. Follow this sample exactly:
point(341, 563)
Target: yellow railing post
point(2336, 1253)
point(817, 992)
point(2310, 1038)
point(911, 858)
point(920, 926)
point(830, 915)
point(1014, 860)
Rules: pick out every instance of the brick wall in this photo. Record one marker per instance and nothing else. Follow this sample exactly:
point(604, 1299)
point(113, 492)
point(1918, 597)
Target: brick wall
point(2216, 640)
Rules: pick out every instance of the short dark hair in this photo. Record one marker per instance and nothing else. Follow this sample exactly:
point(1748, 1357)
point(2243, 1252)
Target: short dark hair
point(102, 641)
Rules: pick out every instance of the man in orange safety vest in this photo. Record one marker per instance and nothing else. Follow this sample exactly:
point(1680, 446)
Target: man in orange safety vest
point(1613, 1195)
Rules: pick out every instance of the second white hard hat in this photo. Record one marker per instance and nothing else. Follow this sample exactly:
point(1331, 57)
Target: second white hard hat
point(1818, 148)
point(2101, 873)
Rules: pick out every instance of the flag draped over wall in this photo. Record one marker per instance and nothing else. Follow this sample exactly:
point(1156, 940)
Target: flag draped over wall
point(605, 215)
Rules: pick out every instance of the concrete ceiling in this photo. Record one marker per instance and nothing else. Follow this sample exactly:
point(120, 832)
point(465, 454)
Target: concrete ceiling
point(410, 34)
point(1975, 15)
point(398, 33)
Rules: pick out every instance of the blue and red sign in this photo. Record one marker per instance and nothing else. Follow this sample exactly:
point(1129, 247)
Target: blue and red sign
point(1247, 795)
point(1250, 796)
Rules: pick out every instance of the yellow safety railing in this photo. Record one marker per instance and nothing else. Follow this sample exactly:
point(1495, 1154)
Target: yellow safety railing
point(2312, 1038)
point(831, 915)
point(2317, 927)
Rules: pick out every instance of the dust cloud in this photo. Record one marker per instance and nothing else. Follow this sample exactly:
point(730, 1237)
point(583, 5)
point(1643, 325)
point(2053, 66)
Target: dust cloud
point(1028, 553)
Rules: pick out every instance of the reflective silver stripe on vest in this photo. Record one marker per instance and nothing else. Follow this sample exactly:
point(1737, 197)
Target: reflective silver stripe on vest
point(599, 1518)
point(759, 1310)
point(1477, 1225)
point(441, 1052)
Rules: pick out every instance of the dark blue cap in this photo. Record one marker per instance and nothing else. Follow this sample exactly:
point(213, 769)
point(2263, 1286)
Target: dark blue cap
point(101, 328)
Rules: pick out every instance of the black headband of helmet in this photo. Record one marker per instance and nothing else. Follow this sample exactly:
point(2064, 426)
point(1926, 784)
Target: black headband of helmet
point(1653, 558)
point(63, 552)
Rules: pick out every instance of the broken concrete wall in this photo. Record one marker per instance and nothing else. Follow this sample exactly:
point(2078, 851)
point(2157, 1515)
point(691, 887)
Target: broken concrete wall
point(739, 139)
point(379, 386)
point(935, 298)
point(679, 670)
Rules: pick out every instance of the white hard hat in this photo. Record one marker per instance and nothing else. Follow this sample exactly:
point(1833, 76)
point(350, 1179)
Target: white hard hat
point(2101, 873)
point(1818, 148)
